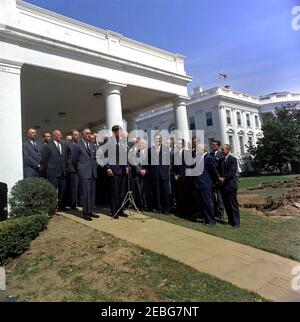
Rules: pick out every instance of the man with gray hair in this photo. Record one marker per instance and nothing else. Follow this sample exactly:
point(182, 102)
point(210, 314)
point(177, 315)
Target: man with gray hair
point(204, 182)
point(228, 169)
point(72, 171)
point(32, 155)
point(85, 157)
point(54, 160)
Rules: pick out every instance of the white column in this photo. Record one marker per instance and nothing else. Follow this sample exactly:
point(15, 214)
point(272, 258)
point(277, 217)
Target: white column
point(113, 104)
point(223, 125)
point(180, 116)
point(11, 158)
point(254, 128)
point(235, 130)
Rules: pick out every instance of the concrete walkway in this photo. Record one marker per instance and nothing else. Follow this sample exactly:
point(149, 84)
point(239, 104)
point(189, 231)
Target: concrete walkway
point(246, 267)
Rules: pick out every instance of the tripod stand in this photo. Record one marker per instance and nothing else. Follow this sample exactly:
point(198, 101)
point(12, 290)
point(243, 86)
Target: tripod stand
point(129, 198)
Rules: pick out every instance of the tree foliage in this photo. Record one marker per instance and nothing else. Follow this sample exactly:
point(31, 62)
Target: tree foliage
point(280, 144)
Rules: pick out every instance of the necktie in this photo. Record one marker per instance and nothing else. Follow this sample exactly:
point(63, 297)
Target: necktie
point(59, 148)
point(117, 153)
point(88, 147)
point(34, 144)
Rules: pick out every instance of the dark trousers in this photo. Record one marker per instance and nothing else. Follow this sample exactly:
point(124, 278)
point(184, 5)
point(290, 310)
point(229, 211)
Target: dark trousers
point(179, 187)
point(172, 195)
point(72, 189)
point(218, 203)
point(117, 192)
point(231, 206)
point(88, 190)
point(192, 202)
point(207, 204)
point(138, 185)
point(102, 187)
point(60, 185)
point(161, 190)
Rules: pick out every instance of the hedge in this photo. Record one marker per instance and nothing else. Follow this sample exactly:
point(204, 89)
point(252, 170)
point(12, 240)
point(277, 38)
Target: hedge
point(16, 235)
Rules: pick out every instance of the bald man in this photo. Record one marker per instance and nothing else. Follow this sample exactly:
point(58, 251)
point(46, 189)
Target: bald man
point(32, 155)
point(54, 160)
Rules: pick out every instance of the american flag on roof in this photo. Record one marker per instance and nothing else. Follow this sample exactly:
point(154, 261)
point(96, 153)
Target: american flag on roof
point(222, 76)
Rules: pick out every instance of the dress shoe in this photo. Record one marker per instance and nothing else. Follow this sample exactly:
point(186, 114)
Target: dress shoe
point(87, 217)
point(94, 215)
point(115, 216)
point(123, 215)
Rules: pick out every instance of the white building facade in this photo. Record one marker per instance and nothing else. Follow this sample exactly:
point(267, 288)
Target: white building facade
point(57, 72)
point(224, 114)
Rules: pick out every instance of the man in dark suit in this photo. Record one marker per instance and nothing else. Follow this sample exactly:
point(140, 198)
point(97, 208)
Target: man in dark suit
point(139, 173)
point(172, 198)
point(117, 170)
point(204, 182)
point(217, 197)
point(228, 170)
point(72, 173)
point(180, 183)
point(85, 156)
point(159, 170)
point(32, 156)
point(54, 160)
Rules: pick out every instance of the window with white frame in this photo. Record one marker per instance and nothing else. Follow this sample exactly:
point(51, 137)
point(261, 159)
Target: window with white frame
point(239, 118)
point(256, 121)
point(192, 123)
point(209, 120)
point(248, 119)
point(228, 117)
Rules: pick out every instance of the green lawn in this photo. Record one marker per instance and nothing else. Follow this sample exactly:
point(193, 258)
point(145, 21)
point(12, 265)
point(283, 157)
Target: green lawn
point(279, 235)
point(276, 235)
point(72, 262)
point(248, 182)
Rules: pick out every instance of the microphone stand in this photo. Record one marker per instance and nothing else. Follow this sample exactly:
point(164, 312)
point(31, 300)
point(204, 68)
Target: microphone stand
point(129, 199)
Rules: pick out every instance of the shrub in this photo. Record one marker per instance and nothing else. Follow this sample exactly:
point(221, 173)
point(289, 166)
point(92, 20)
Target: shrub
point(16, 235)
point(32, 196)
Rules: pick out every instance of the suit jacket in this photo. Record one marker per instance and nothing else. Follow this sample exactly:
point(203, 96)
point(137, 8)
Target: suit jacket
point(217, 156)
point(156, 167)
point(209, 175)
point(136, 168)
point(117, 156)
point(85, 160)
point(72, 155)
point(55, 164)
point(179, 166)
point(228, 170)
point(32, 157)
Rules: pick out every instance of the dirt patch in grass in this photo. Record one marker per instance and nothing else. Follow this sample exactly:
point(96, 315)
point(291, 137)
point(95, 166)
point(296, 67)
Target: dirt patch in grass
point(72, 262)
point(272, 199)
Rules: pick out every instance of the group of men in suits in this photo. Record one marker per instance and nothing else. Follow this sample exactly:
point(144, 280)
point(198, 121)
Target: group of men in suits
point(159, 176)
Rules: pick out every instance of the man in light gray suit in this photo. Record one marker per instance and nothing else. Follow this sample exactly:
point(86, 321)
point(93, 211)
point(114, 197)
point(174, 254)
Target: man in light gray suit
point(85, 155)
point(32, 155)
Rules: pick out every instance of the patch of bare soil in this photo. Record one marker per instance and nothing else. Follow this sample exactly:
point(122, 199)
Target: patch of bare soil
point(272, 199)
point(72, 262)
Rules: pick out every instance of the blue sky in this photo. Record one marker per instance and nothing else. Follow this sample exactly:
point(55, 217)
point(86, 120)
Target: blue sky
point(251, 41)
